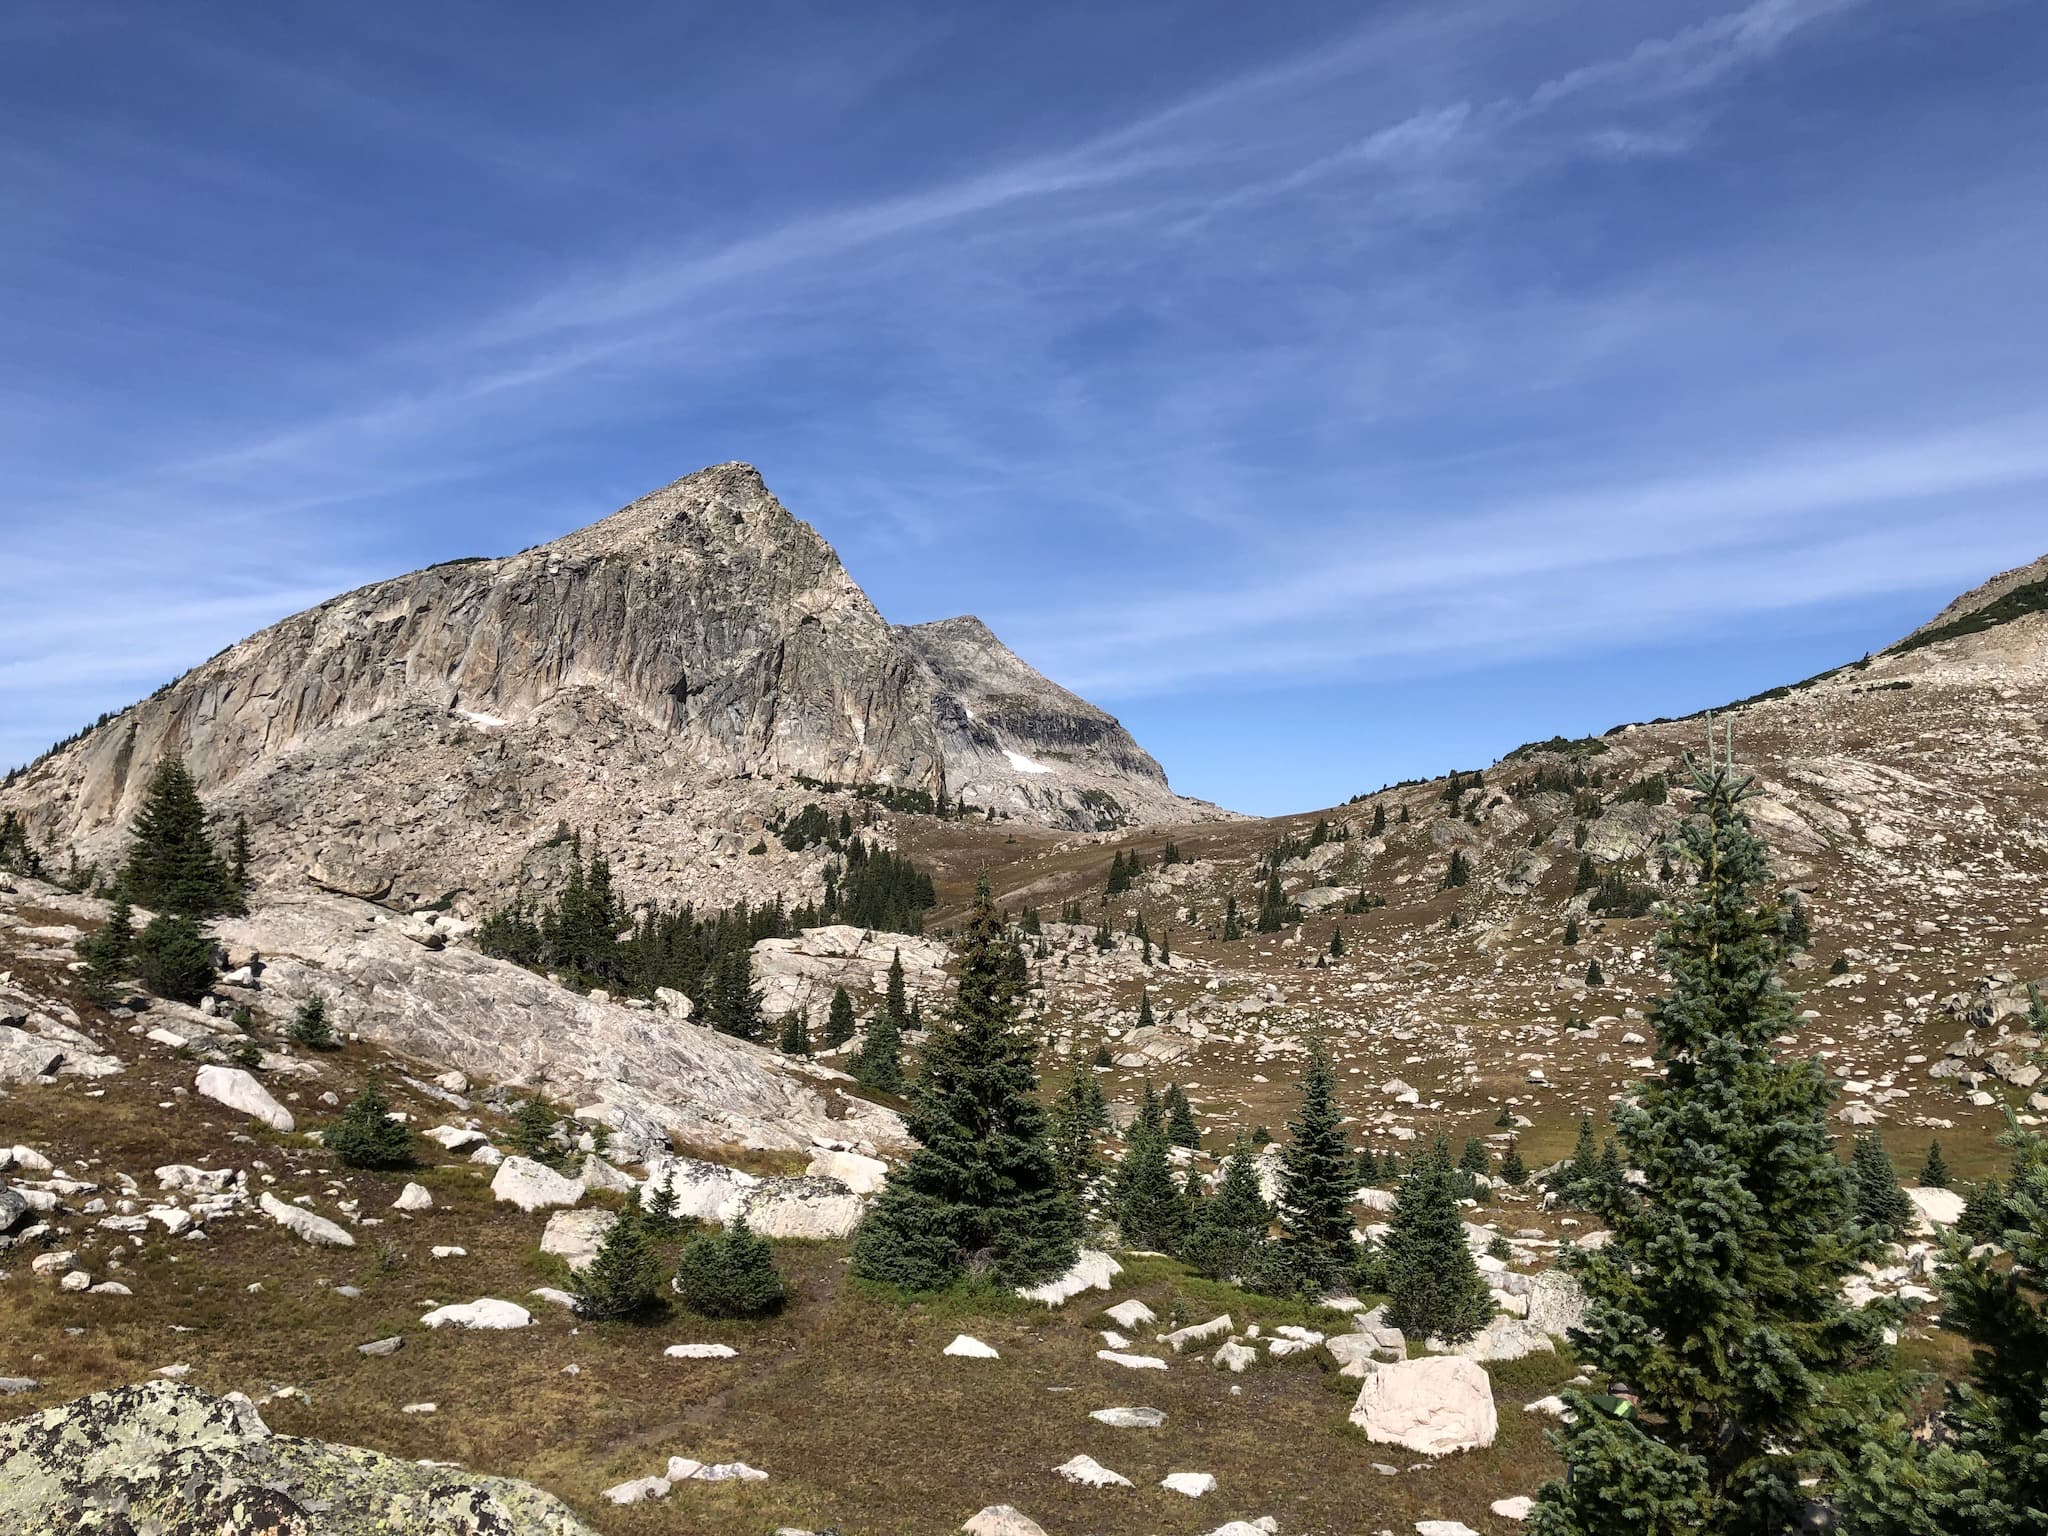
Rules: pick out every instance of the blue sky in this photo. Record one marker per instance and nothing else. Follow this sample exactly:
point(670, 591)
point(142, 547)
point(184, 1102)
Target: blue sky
point(1337, 392)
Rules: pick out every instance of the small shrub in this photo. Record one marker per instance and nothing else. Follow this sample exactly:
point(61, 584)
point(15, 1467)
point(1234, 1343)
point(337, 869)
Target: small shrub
point(310, 1028)
point(175, 959)
point(366, 1136)
point(730, 1274)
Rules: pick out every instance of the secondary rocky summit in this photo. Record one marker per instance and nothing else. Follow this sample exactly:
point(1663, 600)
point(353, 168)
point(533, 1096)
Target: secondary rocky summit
point(659, 677)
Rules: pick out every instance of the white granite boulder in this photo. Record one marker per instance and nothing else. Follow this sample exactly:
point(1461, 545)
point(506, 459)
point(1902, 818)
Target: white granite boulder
point(1433, 1406)
point(237, 1090)
point(533, 1186)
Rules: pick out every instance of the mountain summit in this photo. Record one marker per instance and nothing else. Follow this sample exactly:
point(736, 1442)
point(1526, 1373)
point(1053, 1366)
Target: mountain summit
point(654, 676)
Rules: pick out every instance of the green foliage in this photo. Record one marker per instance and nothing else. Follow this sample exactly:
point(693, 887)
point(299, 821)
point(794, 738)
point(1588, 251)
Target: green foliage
point(172, 866)
point(734, 1008)
point(366, 1136)
point(1434, 1290)
point(1181, 1130)
point(730, 1274)
point(1595, 977)
point(249, 1055)
point(1934, 1172)
point(2020, 601)
point(1317, 1181)
point(1719, 1296)
point(1077, 1119)
point(18, 855)
point(1460, 871)
point(1616, 896)
point(981, 1193)
point(1571, 931)
point(533, 1131)
point(1275, 910)
point(107, 953)
point(878, 1064)
point(1474, 1158)
point(1512, 1169)
point(309, 1026)
point(839, 1025)
point(1151, 1209)
point(174, 958)
point(1336, 943)
point(623, 1279)
point(658, 1212)
point(1231, 1227)
point(796, 1033)
point(1879, 1202)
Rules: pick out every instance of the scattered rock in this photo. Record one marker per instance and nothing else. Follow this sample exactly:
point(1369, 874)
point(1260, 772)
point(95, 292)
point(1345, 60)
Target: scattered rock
point(237, 1090)
point(1433, 1405)
point(1090, 1473)
point(303, 1223)
point(484, 1312)
point(532, 1186)
point(968, 1348)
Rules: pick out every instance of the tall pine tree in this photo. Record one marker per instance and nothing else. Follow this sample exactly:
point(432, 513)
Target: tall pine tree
point(172, 864)
point(1719, 1297)
point(1434, 1290)
point(1317, 1181)
point(1231, 1226)
point(981, 1193)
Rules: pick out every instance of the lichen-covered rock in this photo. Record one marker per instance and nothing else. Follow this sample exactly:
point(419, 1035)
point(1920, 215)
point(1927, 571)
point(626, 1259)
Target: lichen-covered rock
point(168, 1459)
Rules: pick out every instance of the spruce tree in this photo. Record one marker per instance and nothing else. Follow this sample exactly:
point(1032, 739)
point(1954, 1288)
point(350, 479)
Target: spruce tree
point(1879, 1200)
point(1102, 1056)
point(1317, 1182)
point(796, 1033)
point(658, 1210)
point(1512, 1169)
point(1145, 1018)
point(173, 867)
point(309, 1026)
point(1475, 1159)
point(533, 1130)
point(730, 1274)
point(366, 1136)
point(1718, 1297)
point(107, 953)
point(1595, 977)
point(1181, 1130)
point(174, 958)
point(878, 1064)
point(980, 1193)
point(1368, 1167)
point(1231, 931)
point(1379, 821)
point(238, 859)
point(1151, 1211)
point(1934, 1172)
point(839, 1024)
point(1232, 1225)
point(1571, 931)
point(620, 1281)
point(735, 1009)
point(1336, 943)
point(1434, 1290)
point(1078, 1117)
point(893, 1000)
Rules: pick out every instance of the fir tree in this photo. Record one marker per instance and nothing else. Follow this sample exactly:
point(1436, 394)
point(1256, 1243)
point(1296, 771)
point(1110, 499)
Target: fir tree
point(1934, 1172)
point(839, 1025)
point(735, 1009)
point(107, 953)
point(366, 1136)
point(1379, 821)
point(1181, 1130)
point(1336, 943)
point(1434, 1290)
point(1571, 931)
point(1317, 1182)
point(1367, 1166)
point(533, 1130)
point(1505, 1120)
point(1102, 1056)
point(658, 1211)
point(1595, 977)
point(1719, 1297)
point(1151, 1211)
point(1231, 931)
point(1475, 1159)
point(1879, 1200)
point(621, 1280)
point(1459, 873)
point(878, 1064)
point(1078, 1117)
point(1572, 1183)
point(980, 1192)
point(238, 859)
point(1512, 1169)
point(730, 1274)
point(893, 999)
point(1231, 1227)
point(309, 1026)
point(1145, 1018)
point(796, 1032)
point(174, 958)
point(173, 867)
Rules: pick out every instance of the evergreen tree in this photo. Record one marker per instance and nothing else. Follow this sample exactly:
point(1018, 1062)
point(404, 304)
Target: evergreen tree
point(1231, 931)
point(1145, 1018)
point(1336, 943)
point(796, 1032)
point(1572, 1184)
point(658, 1211)
point(1181, 1130)
point(730, 1274)
point(1078, 1117)
point(1317, 1182)
point(533, 1130)
point(173, 867)
point(1434, 1290)
point(107, 953)
point(1505, 1120)
point(621, 1280)
point(1231, 1227)
point(1379, 821)
point(839, 1024)
point(1512, 1169)
point(366, 1136)
point(1595, 977)
point(1934, 1172)
point(1151, 1211)
point(1459, 873)
point(1719, 1296)
point(174, 958)
point(1879, 1200)
point(878, 1064)
point(1102, 1056)
point(980, 1192)
point(735, 1009)
point(238, 860)
point(1368, 1167)
point(1475, 1159)
point(893, 998)
point(1571, 931)
point(309, 1026)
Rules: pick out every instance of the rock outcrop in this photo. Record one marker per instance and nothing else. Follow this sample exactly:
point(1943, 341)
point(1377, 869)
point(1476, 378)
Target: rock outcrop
point(645, 677)
point(167, 1458)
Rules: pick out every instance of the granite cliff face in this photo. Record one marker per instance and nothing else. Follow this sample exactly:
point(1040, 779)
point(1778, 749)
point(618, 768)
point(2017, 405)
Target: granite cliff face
point(659, 676)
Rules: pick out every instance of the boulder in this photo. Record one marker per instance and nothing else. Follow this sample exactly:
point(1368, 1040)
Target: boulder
point(13, 1209)
point(1131, 1314)
point(808, 1207)
point(1193, 1484)
point(1937, 1207)
point(1093, 1271)
point(163, 1456)
point(484, 1312)
point(302, 1223)
point(237, 1090)
point(1090, 1473)
point(1556, 1303)
point(1234, 1357)
point(700, 1352)
point(1001, 1520)
point(532, 1186)
point(413, 1197)
point(1517, 1508)
point(966, 1347)
point(1129, 1418)
point(862, 1175)
point(455, 1138)
point(24, 1058)
point(575, 1236)
point(1432, 1406)
point(1505, 1338)
point(1199, 1333)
